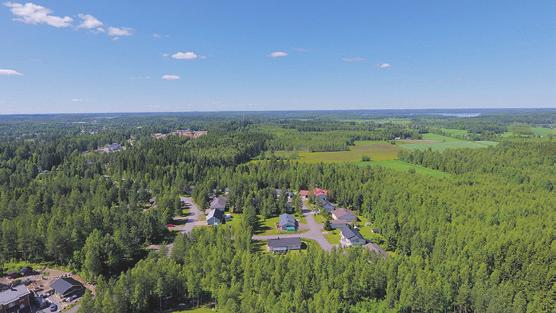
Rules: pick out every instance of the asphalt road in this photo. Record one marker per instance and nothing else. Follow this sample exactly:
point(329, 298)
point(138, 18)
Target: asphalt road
point(194, 217)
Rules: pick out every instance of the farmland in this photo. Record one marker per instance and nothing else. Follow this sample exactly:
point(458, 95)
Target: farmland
point(385, 154)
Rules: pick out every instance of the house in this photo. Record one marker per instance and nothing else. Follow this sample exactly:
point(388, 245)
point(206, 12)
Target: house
point(345, 215)
point(317, 192)
point(283, 245)
point(67, 286)
point(215, 217)
point(287, 222)
point(338, 224)
point(304, 193)
point(15, 299)
point(219, 203)
point(351, 237)
point(325, 204)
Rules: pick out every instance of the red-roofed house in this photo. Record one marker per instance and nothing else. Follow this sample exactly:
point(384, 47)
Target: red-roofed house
point(304, 193)
point(320, 192)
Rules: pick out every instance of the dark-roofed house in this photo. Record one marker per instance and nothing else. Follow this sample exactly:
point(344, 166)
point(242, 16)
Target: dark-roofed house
point(351, 237)
point(219, 203)
point(215, 217)
point(288, 222)
point(283, 245)
point(325, 204)
point(15, 299)
point(345, 215)
point(338, 224)
point(67, 286)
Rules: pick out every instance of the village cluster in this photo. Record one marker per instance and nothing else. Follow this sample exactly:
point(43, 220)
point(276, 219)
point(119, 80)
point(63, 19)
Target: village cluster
point(45, 290)
point(289, 232)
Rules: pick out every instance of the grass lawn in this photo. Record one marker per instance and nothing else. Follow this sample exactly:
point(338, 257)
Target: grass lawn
point(333, 237)
point(268, 227)
point(319, 218)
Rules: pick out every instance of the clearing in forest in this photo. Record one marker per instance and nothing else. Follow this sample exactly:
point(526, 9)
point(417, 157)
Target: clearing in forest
point(439, 143)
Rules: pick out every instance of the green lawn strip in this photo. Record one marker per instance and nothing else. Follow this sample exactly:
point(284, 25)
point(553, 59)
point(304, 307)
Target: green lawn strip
point(332, 236)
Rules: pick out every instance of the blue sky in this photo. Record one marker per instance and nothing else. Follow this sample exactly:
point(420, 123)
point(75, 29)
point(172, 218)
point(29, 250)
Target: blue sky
point(112, 56)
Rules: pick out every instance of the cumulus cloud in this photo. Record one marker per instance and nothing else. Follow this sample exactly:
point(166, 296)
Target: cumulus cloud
point(185, 55)
point(9, 72)
point(90, 22)
point(76, 100)
point(384, 66)
point(120, 31)
point(353, 59)
point(170, 77)
point(278, 54)
point(31, 13)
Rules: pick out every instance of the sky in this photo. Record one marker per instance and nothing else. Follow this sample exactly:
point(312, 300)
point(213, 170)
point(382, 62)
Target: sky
point(69, 56)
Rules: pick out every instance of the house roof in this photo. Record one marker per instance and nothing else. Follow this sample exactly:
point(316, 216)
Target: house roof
point(11, 294)
point(287, 219)
point(344, 214)
point(62, 285)
point(351, 234)
point(216, 213)
point(219, 203)
point(320, 192)
point(289, 243)
point(304, 192)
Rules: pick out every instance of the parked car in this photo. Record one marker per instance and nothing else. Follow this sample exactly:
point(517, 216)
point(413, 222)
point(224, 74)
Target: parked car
point(53, 308)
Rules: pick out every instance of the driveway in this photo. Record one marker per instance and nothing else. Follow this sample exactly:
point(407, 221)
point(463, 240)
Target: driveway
point(314, 231)
point(193, 219)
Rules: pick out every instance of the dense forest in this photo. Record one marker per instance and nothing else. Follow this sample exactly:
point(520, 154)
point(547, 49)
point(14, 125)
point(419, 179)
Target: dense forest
point(480, 239)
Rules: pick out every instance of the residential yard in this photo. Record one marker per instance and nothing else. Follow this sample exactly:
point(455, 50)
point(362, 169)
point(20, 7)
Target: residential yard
point(268, 227)
point(333, 236)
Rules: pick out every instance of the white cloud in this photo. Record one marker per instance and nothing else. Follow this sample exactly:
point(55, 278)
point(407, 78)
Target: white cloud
point(76, 100)
point(185, 55)
point(278, 54)
point(90, 22)
point(31, 13)
point(384, 66)
point(120, 31)
point(353, 59)
point(170, 77)
point(8, 72)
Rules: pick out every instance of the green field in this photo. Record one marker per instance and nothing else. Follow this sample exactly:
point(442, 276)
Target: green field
point(439, 143)
point(385, 154)
point(376, 150)
point(541, 131)
point(455, 132)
